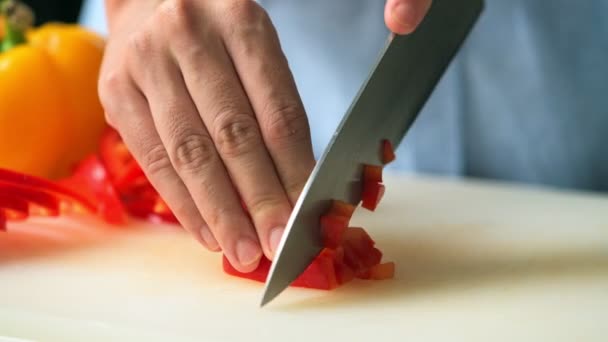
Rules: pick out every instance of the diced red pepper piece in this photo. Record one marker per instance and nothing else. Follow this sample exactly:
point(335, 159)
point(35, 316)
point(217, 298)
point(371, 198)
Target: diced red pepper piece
point(90, 178)
point(344, 273)
point(359, 251)
point(334, 223)
point(382, 271)
point(388, 153)
point(371, 195)
point(320, 274)
point(372, 173)
point(340, 208)
point(332, 227)
point(259, 274)
point(367, 262)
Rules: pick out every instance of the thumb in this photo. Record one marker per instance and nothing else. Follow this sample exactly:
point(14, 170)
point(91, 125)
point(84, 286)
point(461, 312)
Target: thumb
point(403, 16)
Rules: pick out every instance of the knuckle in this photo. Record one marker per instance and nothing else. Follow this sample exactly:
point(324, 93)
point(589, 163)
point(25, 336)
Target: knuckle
point(246, 19)
point(141, 43)
point(285, 123)
point(155, 160)
point(236, 134)
point(262, 203)
point(245, 11)
point(110, 96)
point(294, 188)
point(107, 85)
point(221, 217)
point(192, 152)
point(177, 15)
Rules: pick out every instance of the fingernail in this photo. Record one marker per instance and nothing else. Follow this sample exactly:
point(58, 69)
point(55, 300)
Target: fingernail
point(248, 251)
point(404, 13)
point(275, 238)
point(209, 239)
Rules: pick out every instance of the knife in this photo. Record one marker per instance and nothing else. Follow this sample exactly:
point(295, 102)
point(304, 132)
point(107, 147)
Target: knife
point(387, 104)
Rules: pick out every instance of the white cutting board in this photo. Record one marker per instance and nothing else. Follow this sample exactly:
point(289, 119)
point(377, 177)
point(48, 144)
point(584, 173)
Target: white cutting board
point(475, 262)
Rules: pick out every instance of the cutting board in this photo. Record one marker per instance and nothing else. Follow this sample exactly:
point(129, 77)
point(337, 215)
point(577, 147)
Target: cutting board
point(476, 261)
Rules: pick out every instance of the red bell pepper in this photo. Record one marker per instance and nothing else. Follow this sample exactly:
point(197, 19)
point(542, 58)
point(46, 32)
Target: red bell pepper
point(348, 252)
point(40, 203)
point(320, 274)
point(24, 195)
point(382, 271)
point(341, 208)
point(91, 179)
point(372, 194)
point(334, 223)
point(62, 193)
point(372, 173)
point(355, 257)
point(14, 209)
point(332, 228)
point(137, 194)
point(122, 168)
point(388, 153)
point(2, 221)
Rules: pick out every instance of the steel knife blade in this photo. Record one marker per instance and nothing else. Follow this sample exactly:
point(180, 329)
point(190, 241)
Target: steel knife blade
point(408, 69)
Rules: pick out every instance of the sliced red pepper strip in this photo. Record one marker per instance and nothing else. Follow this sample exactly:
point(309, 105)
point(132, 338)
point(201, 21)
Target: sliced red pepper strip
point(371, 195)
point(152, 209)
point(91, 180)
point(388, 153)
point(40, 203)
point(14, 209)
point(26, 181)
point(372, 173)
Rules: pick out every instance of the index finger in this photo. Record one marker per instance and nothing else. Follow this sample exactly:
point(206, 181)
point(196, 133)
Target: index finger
point(403, 16)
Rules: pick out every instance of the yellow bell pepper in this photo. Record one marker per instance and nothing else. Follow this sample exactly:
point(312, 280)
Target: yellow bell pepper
point(50, 114)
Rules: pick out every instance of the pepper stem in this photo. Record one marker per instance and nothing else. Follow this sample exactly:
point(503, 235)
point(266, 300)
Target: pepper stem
point(18, 19)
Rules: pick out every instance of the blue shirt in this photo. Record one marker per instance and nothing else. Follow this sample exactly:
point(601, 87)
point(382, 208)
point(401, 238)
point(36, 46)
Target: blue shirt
point(526, 98)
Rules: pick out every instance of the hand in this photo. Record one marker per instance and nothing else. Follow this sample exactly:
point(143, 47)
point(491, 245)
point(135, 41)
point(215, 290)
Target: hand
point(403, 16)
point(202, 95)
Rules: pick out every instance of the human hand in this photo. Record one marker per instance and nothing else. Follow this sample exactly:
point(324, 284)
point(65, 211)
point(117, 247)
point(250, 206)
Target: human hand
point(202, 95)
point(403, 16)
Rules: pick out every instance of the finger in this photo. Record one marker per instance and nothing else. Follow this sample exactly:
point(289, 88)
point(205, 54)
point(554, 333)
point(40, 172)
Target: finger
point(130, 115)
point(225, 110)
point(193, 155)
point(403, 16)
point(264, 72)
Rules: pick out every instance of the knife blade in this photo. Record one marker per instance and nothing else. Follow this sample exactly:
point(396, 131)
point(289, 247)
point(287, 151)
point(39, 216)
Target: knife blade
point(408, 69)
